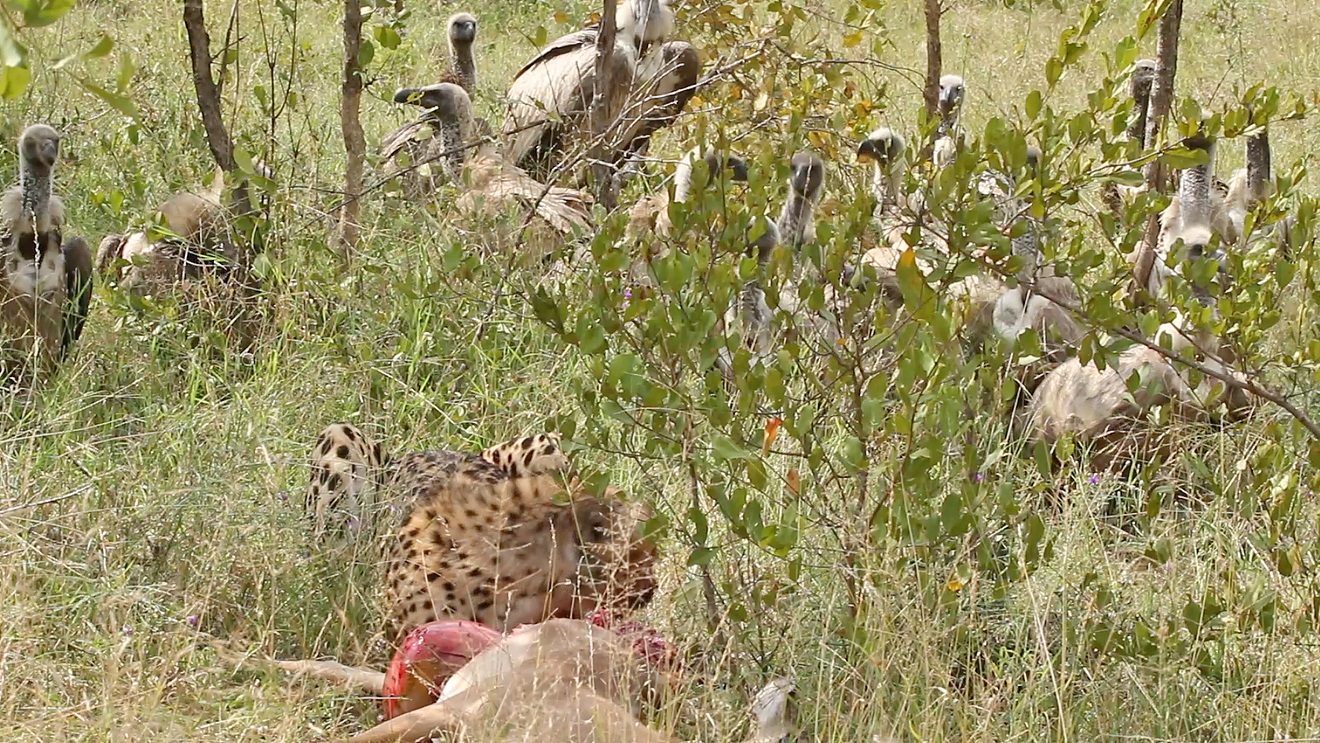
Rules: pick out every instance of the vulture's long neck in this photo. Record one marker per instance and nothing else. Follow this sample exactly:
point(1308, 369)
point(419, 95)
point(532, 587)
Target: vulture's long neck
point(683, 180)
point(797, 220)
point(1258, 166)
point(455, 152)
point(34, 182)
point(885, 182)
point(463, 64)
point(1194, 194)
point(1027, 247)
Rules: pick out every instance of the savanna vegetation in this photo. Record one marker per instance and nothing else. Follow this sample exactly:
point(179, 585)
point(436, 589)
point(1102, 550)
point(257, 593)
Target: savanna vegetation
point(858, 515)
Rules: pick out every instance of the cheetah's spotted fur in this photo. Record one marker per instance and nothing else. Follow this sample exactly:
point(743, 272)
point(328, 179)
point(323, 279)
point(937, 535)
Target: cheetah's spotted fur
point(486, 536)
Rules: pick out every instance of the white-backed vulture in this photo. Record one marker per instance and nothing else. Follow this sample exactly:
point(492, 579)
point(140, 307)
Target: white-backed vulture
point(462, 34)
point(895, 212)
point(948, 136)
point(1191, 217)
point(46, 281)
point(806, 185)
point(1117, 196)
point(1095, 405)
point(197, 241)
point(1097, 409)
point(651, 213)
point(1248, 187)
point(550, 99)
point(417, 138)
point(490, 182)
point(649, 225)
point(796, 226)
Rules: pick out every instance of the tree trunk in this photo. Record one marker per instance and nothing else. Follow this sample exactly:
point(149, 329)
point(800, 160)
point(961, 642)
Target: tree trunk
point(934, 58)
point(1161, 100)
point(600, 108)
point(355, 142)
point(208, 95)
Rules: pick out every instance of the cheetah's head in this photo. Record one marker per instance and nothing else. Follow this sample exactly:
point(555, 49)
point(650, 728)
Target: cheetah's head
point(615, 564)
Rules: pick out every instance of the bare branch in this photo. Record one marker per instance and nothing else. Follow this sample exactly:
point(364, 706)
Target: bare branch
point(208, 96)
point(600, 108)
point(934, 57)
point(355, 141)
point(1161, 100)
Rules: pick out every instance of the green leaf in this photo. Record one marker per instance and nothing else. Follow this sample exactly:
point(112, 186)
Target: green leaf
point(366, 53)
point(1035, 101)
point(38, 13)
point(101, 49)
point(387, 37)
point(13, 81)
point(725, 449)
point(126, 70)
point(12, 52)
point(117, 101)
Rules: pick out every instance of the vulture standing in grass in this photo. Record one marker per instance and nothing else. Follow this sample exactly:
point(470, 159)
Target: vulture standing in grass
point(1248, 187)
point(796, 227)
point(195, 241)
point(46, 289)
point(948, 137)
point(195, 255)
point(1193, 216)
point(491, 183)
point(651, 213)
point(1094, 405)
point(417, 137)
point(550, 99)
point(649, 224)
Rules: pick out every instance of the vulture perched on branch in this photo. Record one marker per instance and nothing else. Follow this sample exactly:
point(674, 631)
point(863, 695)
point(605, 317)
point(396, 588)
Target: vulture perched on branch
point(550, 99)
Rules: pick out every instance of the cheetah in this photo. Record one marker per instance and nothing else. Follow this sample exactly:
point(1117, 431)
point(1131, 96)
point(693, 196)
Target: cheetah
point(490, 537)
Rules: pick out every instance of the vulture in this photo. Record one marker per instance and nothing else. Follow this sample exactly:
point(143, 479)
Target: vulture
point(651, 213)
point(948, 136)
point(194, 256)
point(649, 222)
point(550, 99)
point(1116, 196)
point(1192, 216)
point(795, 228)
point(417, 137)
point(462, 34)
point(1095, 405)
point(196, 241)
point(896, 212)
point(492, 183)
point(47, 281)
point(1248, 187)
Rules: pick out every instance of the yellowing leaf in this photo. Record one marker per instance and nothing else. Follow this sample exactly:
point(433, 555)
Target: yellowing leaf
point(762, 99)
point(794, 482)
point(852, 39)
point(955, 584)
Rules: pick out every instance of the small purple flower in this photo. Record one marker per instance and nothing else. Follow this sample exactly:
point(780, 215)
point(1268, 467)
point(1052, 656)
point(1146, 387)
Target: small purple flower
point(627, 293)
point(126, 630)
point(284, 497)
point(394, 507)
point(191, 620)
point(1094, 479)
point(978, 476)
